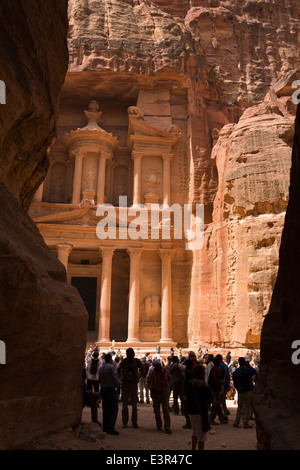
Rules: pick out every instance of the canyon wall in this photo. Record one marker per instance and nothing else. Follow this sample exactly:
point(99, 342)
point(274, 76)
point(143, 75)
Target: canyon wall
point(43, 321)
point(275, 400)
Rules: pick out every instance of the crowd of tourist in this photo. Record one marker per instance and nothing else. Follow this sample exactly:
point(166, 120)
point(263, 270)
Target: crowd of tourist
point(196, 386)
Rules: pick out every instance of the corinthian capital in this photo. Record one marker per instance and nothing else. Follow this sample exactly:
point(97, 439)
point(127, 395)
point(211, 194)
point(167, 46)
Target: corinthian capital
point(167, 156)
point(134, 252)
point(166, 254)
point(107, 251)
point(137, 155)
point(64, 248)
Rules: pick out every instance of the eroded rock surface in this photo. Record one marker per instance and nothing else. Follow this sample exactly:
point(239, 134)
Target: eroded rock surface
point(43, 321)
point(33, 64)
point(240, 263)
point(248, 43)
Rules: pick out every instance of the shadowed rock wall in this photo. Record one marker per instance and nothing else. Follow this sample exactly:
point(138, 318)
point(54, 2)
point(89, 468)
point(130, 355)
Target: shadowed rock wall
point(276, 399)
point(43, 321)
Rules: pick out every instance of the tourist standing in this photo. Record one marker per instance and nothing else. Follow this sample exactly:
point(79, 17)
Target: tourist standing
point(187, 377)
point(209, 366)
point(143, 380)
point(228, 358)
point(159, 385)
point(199, 397)
point(215, 383)
point(176, 371)
point(129, 371)
point(109, 381)
point(225, 386)
point(92, 372)
point(242, 380)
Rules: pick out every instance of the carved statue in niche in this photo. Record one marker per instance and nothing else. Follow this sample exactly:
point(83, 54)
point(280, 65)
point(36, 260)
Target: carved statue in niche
point(57, 189)
point(122, 182)
point(89, 181)
point(152, 308)
point(153, 182)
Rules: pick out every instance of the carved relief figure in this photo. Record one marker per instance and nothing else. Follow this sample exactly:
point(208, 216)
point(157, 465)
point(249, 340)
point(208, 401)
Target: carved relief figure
point(89, 181)
point(153, 181)
point(57, 189)
point(152, 308)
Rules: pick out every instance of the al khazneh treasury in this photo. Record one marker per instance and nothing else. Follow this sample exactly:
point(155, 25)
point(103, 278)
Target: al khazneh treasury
point(135, 291)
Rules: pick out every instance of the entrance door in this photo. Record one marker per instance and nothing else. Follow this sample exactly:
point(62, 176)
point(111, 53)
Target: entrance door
point(119, 297)
point(87, 288)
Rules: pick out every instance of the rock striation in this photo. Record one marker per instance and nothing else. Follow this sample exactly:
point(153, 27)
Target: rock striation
point(43, 321)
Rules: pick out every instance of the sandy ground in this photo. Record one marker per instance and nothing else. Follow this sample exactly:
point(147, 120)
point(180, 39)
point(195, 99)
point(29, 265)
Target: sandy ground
point(89, 436)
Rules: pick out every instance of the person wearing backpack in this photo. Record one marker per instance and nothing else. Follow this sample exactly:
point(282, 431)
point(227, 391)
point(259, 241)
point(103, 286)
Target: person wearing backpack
point(129, 371)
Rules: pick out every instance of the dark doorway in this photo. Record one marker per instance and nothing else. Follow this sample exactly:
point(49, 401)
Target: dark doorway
point(87, 288)
point(119, 297)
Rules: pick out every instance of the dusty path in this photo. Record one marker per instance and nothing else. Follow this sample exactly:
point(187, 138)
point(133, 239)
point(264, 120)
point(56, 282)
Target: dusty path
point(89, 436)
point(220, 437)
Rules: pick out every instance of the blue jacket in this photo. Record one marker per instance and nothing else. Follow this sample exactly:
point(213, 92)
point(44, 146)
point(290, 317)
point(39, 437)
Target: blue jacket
point(242, 378)
point(226, 376)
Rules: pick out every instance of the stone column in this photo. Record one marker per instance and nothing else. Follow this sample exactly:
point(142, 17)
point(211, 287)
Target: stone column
point(134, 295)
point(167, 157)
point(105, 299)
point(63, 252)
point(77, 178)
point(101, 178)
point(137, 177)
point(38, 197)
point(166, 295)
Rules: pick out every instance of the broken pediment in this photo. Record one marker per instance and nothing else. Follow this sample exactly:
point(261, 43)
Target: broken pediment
point(139, 132)
point(82, 216)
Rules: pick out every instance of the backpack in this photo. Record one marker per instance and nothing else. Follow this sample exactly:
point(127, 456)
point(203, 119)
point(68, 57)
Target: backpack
point(129, 371)
point(176, 374)
point(214, 380)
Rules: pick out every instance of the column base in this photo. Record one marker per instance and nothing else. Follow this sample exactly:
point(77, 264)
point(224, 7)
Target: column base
point(167, 342)
point(140, 347)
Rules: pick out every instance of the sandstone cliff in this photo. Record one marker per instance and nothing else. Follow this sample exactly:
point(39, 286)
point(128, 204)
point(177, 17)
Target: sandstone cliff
point(42, 320)
point(248, 43)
